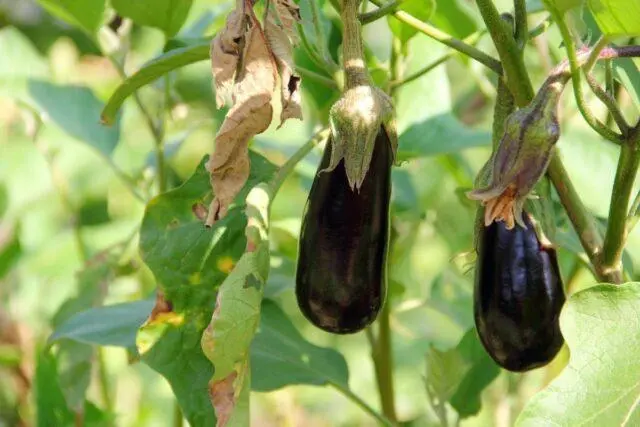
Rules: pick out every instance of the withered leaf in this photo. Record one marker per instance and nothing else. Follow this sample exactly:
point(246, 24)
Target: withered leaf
point(225, 52)
point(289, 82)
point(250, 115)
point(289, 15)
point(223, 398)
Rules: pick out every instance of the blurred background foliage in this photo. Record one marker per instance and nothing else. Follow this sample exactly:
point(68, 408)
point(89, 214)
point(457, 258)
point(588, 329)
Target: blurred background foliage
point(73, 196)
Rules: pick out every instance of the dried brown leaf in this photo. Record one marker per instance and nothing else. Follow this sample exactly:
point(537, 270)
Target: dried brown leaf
point(289, 82)
point(250, 115)
point(223, 398)
point(289, 15)
point(225, 52)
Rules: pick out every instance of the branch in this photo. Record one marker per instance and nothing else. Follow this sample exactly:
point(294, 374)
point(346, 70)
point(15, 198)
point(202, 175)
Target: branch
point(447, 39)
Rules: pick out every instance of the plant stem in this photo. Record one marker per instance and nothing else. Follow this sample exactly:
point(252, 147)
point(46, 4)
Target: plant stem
point(317, 77)
point(471, 39)
point(446, 39)
point(541, 27)
point(383, 362)
point(103, 377)
point(177, 415)
point(616, 234)
point(522, 29)
point(610, 103)
point(355, 68)
point(595, 53)
point(362, 404)
point(286, 169)
point(321, 41)
point(381, 12)
point(516, 77)
point(576, 77)
point(582, 221)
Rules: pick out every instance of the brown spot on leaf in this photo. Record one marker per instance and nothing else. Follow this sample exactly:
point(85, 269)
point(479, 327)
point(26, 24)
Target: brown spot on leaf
point(162, 306)
point(223, 399)
point(199, 210)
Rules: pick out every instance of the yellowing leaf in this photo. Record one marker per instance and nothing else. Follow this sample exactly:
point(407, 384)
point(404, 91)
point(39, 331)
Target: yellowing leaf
point(250, 115)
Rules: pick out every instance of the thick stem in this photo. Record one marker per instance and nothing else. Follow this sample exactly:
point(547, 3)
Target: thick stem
point(383, 362)
point(616, 234)
point(522, 30)
point(505, 105)
point(516, 76)
point(355, 67)
point(446, 39)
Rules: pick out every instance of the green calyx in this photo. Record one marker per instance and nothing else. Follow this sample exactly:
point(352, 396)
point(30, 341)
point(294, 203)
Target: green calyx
point(356, 119)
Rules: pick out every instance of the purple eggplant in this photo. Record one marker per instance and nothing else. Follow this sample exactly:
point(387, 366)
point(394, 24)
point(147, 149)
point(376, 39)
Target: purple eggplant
point(518, 297)
point(340, 278)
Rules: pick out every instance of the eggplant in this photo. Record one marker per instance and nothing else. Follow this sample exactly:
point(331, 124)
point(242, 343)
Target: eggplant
point(518, 296)
point(340, 276)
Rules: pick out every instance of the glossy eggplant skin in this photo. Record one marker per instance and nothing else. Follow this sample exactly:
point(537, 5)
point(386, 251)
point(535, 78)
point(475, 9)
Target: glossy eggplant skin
point(340, 277)
point(518, 297)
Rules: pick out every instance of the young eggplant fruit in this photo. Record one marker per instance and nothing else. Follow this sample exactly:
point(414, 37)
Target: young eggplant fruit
point(518, 296)
point(340, 279)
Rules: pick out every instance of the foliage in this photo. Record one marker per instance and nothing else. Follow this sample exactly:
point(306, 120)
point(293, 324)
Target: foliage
point(148, 233)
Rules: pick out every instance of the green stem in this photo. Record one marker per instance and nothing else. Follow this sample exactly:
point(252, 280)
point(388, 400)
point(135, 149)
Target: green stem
point(383, 361)
point(594, 55)
point(355, 67)
point(395, 65)
point(321, 41)
point(177, 415)
point(504, 106)
point(584, 224)
point(541, 27)
point(362, 404)
point(286, 169)
point(576, 77)
point(471, 40)
point(522, 29)
point(381, 12)
point(516, 77)
point(446, 39)
point(616, 234)
point(304, 72)
point(611, 104)
point(103, 377)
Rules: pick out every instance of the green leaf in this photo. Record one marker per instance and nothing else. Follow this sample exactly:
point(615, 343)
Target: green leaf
point(420, 9)
point(627, 73)
point(19, 61)
point(166, 15)
point(51, 408)
point(483, 370)
point(77, 111)
point(617, 17)
point(10, 250)
point(600, 385)
point(280, 356)
point(226, 340)
point(151, 71)
point(439, 134)
point(111, 325)
point(445, 370)
point(455, 17)
point(84, 14)
point(189, 262)
point(563, 5)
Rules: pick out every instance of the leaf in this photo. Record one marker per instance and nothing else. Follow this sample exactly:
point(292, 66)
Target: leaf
point(600, 384)
point(280, 356)
point(626, 71)
point(289, 82)
point(84, 14)
point(617, 17)
point(439, 134)
point(150, 72)
point(563, 5)
point(250, 115)
point(75, 358)
point(166, 15)
point(288, 14)
point(226, 340)
point(10, 248)
point(483, 370)
point(225, 53)
point(445, 371)
point(189, 262)
point(454, 17)
point(77, 111)
point(420, 9)
point(111, 325)
point(19, 61)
